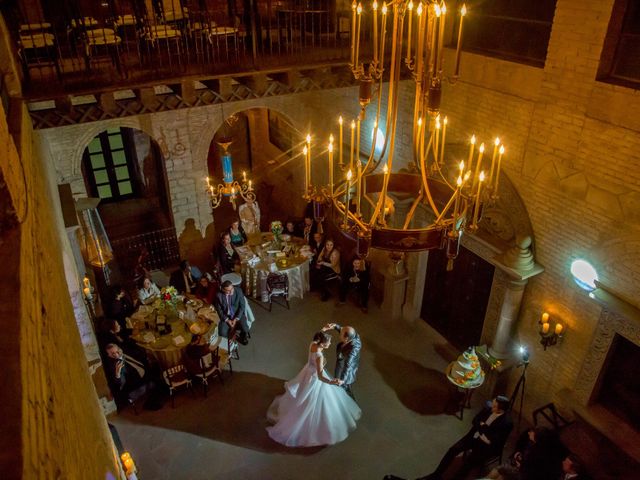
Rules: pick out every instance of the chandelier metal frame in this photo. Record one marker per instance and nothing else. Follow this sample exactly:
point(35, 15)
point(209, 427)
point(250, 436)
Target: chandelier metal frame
point(455, 200)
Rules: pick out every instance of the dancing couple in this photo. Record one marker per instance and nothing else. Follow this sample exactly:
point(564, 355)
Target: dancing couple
point(316, 409)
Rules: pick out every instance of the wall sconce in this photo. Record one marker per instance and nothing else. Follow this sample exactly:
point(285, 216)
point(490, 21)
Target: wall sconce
point(550, 331)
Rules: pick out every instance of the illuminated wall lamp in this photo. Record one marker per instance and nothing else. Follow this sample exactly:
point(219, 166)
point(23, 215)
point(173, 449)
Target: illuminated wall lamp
point(550, 332)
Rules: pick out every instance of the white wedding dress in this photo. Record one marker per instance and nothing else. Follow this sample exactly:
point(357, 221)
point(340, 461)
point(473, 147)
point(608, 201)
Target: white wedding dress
point(312, 412)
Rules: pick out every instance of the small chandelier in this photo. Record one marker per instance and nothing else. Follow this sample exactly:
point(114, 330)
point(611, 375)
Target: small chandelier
point(229, 188)
point(455, 200)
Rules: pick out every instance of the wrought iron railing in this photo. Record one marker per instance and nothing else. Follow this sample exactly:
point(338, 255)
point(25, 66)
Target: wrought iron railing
point(83, 45)
point(161, 246)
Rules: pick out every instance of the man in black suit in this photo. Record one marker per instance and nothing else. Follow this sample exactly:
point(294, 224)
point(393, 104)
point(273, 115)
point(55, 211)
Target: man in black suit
point(487, 437)
point(347, 356)
point(183, 279)
point(126, 375)
point(230, 306)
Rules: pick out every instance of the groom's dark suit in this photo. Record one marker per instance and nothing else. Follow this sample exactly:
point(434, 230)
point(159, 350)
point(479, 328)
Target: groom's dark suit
point(347, 361)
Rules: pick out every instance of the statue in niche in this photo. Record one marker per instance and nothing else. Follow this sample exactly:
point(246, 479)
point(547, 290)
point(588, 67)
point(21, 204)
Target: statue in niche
point(249, 213)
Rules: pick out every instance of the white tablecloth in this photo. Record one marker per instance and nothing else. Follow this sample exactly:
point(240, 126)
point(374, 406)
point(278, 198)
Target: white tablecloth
point(255, 280)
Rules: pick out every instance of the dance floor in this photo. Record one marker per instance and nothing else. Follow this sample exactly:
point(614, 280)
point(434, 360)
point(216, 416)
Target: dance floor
point(405, 428)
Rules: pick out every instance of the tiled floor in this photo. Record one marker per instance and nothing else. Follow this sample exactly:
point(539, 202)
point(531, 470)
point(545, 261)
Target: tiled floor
point(401, 390)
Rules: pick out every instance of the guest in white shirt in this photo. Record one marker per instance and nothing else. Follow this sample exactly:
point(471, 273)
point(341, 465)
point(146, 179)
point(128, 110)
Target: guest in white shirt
point(148, 291)
point(572, 468)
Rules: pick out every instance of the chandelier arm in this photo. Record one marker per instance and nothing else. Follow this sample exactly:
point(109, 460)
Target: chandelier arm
point(446, 208)
point(375, 134)
point(393, 82)
point(425, 184)
point(412, 211)
point(341, 211)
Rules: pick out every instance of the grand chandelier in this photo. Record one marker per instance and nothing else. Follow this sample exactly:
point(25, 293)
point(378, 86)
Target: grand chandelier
point(229, 188)
point(360, 201)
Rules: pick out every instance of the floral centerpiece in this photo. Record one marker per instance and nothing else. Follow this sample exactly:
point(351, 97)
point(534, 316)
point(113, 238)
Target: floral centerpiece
point(168, 300)
point(277, 229)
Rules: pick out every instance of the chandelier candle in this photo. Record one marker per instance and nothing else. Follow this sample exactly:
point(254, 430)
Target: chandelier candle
point(419, 43)
point(477, 204)
point(475, 177)
point(306, 171)
point(352, 145)
point(444, 132)
point(463, 12)
point(353, 29)
point(330, 148)
point(441, 35)
point(500, 153)
point(340, 161)
point(472, 145)
point(410, 8)
point(346, 202)
point(359, 12)
point(496, 144)
point(375, 32)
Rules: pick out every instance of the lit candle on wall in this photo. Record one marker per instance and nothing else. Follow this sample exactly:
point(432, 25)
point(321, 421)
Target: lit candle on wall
point(545, 328)
point(410, 7)
point(208, 183)
point(375, 31)
point(500, 153)
point(472, 145)
point(559, 328)
point(353, 141)
point(496, 144)
point(250, 187)
point(340, 161)
point(545, 317)
point(244, 176)
point(463, 12)
point(353, 32)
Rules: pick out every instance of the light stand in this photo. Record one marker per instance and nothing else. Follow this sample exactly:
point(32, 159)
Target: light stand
point(520, 386)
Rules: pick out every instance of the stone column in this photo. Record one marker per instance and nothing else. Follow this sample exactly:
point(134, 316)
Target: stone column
point(519, 265)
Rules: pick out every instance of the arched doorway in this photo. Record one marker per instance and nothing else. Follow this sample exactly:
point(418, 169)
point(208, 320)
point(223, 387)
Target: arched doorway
point(125, 169)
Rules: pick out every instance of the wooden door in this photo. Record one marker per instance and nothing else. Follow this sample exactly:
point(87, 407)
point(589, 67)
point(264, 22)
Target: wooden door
point(455, 302)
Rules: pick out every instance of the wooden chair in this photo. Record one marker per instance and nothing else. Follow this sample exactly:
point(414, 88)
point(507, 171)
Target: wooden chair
point(209, 367)
point(229, 350)
point(278, 286)
point(176, 377)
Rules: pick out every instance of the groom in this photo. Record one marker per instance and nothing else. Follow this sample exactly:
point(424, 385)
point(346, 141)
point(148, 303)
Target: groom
point(348, 356)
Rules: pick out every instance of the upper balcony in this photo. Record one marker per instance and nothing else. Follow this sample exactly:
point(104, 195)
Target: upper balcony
point(84, 46)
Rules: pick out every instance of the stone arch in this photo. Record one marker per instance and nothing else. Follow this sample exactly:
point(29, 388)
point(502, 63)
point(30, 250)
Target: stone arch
point(93, 129)
point(209, 129)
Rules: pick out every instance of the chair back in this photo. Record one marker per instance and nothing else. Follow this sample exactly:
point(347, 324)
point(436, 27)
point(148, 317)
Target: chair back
point(210, 360)
point(278, 283)
point(175, 376)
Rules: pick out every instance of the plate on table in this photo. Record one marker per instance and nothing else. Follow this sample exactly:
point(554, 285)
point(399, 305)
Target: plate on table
point(195, 303)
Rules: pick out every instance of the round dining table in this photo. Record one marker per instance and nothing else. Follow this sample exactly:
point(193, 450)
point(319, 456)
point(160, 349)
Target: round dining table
point(167, 349)
point(260, 258)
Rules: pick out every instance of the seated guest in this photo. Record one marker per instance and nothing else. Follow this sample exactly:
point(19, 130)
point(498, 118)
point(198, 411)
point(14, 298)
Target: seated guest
point(356, 277)
point(236, 232)
point(110, 332)
point(230, 306)
point(125, 374)
point(572, 469)
point(120, 306)
point(309, 227)
point(184, 280)
point(206, 290)
point(227, 256)
point(487, 437)
point(290, 229)
point(197, 349)
point(327, 268)
point(148, 291)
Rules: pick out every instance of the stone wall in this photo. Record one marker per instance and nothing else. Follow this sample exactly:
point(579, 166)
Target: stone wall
point(53, 425)
point(572, 156)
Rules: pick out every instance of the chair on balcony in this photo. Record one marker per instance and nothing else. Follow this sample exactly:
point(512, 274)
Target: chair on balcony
point(176, 377)
point(278, 286)
point(38, 48)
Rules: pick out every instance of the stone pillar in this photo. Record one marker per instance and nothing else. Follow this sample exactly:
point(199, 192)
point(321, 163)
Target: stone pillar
point(509, 310)
point(417, 271)
point(519, 265)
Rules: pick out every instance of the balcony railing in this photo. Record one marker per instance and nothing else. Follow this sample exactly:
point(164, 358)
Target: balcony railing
point(161, 247)
point(81, 46)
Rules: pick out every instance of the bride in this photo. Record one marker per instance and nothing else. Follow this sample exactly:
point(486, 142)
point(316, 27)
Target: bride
point(313, 410)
